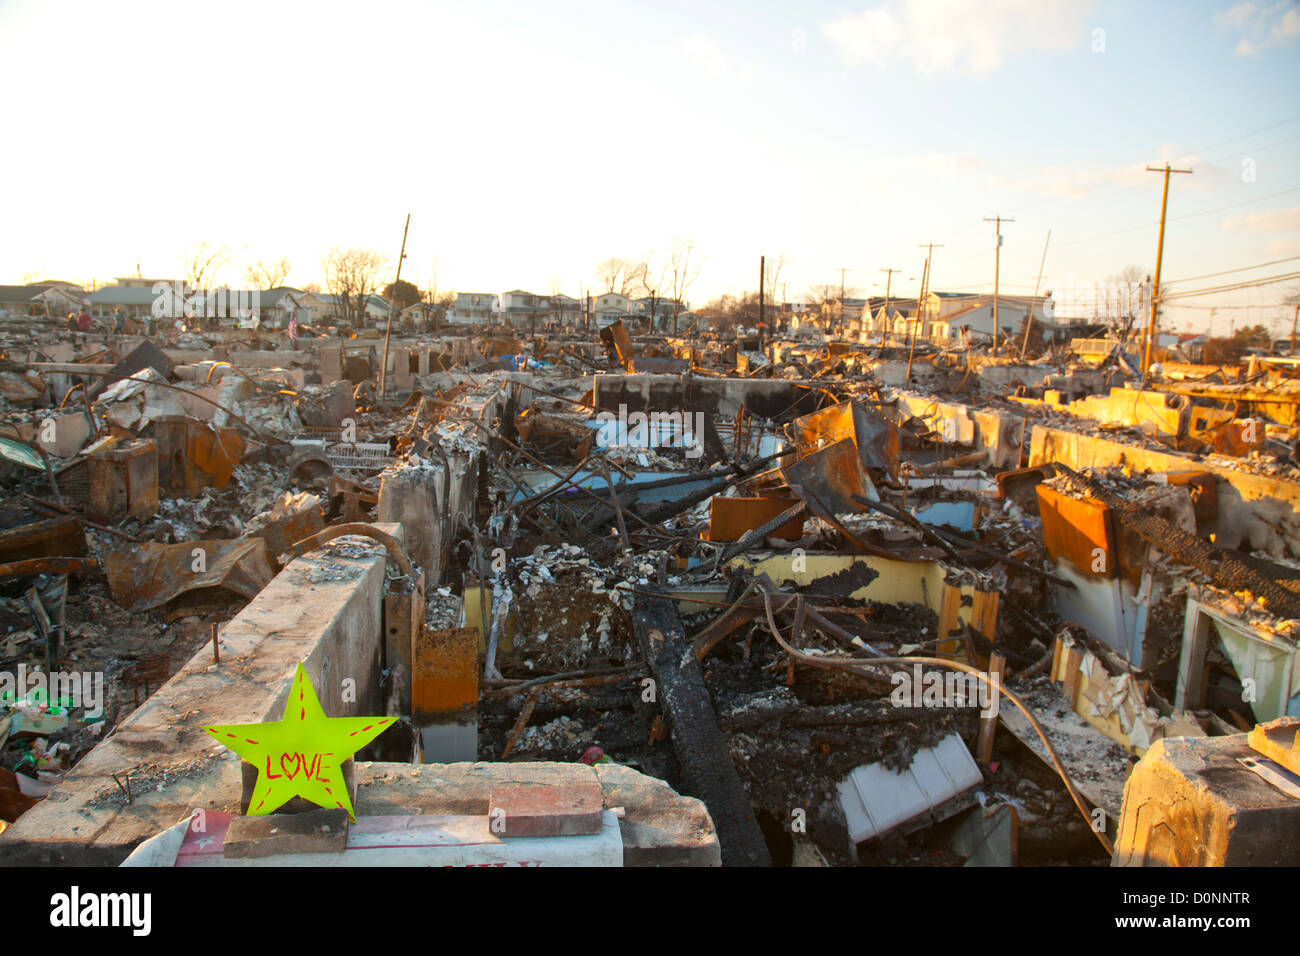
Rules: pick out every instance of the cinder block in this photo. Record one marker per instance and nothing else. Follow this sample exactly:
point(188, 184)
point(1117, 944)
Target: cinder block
point(524, 810)
point(318, 831)
point(1190, 802)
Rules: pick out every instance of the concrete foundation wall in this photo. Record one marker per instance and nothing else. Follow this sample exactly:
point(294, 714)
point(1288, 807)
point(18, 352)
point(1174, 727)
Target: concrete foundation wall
point(766, 398)
point(324, 609)
point(1255, 509)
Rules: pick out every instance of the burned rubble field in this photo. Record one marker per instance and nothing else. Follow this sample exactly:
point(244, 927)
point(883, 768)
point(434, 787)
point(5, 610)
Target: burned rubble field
point(839, 591)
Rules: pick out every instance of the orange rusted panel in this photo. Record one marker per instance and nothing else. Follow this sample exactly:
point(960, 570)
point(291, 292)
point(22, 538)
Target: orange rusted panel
point(1204, 489)
point(444, 681)
point(193, 455)
point(875, 438)
point(730, 518)
point(1074, 528)
point(833, 475)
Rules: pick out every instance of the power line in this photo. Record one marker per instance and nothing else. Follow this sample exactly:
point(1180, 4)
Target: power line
point(1211, 275)
point(1190, 215)
point(1233, 287)
point(1189, 153)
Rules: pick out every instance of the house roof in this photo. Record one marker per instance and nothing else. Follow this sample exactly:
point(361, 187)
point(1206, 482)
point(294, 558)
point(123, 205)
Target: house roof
point(122, 295)
point(20, 293)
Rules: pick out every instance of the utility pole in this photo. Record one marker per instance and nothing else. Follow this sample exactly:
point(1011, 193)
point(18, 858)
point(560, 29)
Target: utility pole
point(1160, 254)
point(1029, 319)
point(997, 269)
point(842, 271)
point(1294, 323)
point(911, 340)
point(762, 265)
point(388, 331)
point(889, 277)
point(929, 248)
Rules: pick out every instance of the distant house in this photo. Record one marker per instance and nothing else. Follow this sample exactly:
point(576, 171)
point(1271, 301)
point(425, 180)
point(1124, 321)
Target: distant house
point(38, 299)
point(134, 301)
point(977, 314)
point(277, 306)
point(519, 307)
point(474, 308)
point(325, 305)
point(609, 307)
point(317, 308)
point(417, 314)
point(663, 307)
point(565, 309)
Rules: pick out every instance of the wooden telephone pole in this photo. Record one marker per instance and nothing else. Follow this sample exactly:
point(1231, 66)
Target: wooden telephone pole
point(1160, 254)
point(920, 304)
point(997, 270)
point(889, 277)
point(842, 270)
point(388, 330)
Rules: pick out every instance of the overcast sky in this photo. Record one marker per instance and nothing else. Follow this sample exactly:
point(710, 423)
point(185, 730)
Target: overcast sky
point(530, 140)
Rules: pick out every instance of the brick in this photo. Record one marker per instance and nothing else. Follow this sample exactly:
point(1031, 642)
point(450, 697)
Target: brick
point(317, 831)
point(529, 810)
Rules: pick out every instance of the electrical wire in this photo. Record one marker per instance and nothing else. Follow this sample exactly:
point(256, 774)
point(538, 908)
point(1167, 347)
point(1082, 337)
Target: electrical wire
point(1211, 275)
point(851, 664)
point(1232, 287)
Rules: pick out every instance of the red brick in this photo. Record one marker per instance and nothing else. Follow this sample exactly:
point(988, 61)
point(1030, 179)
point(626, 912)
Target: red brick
point(532, 810)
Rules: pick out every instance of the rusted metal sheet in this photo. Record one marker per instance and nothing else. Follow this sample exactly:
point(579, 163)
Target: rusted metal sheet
point(292, 518)
point(834, 474)
point(444, 683)
point(1075, 528)
point(53, 537)
point(876, 439)
point(49, 565)
point(1018, 484)
point(618, 342)
point(730, 518)
point(1203, 486)
point(144, 576)
point(193, 455)
point(123, 481)
point(553, 433)
point(403, 620)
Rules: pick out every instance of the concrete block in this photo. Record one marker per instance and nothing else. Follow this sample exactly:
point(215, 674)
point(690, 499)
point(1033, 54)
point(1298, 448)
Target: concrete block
point(530, 810)
point(318, 831)
point(659, 826)
point(1190, 802)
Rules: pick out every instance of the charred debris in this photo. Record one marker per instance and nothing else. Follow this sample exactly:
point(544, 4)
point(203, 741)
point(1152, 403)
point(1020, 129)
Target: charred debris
point(871, 604)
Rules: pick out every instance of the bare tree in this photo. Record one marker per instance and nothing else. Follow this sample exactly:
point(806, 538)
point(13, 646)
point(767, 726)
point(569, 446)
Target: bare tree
point(351, 275)
point(431, 293)
point(608, 274)
point(619, 275)
point(683, 272)
point(651, 281)
point(205, 260)
point(268, 275)
point(773, 278)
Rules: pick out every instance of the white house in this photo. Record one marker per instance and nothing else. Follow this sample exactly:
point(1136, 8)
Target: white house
point(475, 308)
point(609, 307)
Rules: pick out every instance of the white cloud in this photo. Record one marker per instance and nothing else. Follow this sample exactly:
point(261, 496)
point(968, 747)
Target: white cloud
point(1277, 24)
point(1237, 16)
point(939, 35)
point(705, 54)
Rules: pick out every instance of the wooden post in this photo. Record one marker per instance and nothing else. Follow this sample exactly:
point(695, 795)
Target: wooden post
point(989, 723)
